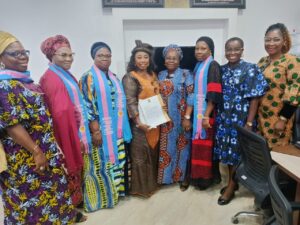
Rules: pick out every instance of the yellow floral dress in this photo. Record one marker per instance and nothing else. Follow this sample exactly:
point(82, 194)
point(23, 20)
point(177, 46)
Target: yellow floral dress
point(30, 198)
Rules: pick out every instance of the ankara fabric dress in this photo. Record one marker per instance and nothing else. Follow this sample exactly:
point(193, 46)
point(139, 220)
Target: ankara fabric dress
point(239, 84)
point(103, 180)
point(30, 198)
point(175, 143)
point(283, 77)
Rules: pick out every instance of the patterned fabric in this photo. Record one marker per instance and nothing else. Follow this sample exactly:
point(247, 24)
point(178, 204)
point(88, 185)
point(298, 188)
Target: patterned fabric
point(144, 157)
point(103, 181)
point(201, 157)
point(239, 84)
point(283, 77)
point(30, 198)
point(52, 44)
point(175, 143)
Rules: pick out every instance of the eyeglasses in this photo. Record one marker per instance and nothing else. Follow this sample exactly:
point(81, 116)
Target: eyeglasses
point(65, 55)
point(275, 40)
point(18, 54)
point(102, 56)
point(171, 59)
point(233, 50)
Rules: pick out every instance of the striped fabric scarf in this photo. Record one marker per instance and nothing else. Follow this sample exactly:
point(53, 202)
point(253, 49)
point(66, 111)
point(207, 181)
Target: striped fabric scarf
point(76, 98)
point(111, 120)
point(200, 104)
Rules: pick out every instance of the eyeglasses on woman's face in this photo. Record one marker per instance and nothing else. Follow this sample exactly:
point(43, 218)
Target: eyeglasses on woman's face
point(17, 54)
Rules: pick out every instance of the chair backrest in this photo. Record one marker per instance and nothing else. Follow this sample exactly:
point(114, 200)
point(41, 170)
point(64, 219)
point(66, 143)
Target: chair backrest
point(281, 206)
point(255, 155)
point(296, 127)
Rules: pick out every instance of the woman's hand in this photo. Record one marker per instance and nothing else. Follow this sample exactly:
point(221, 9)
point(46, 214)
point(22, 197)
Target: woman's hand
point(143, 127)
point(40, 161)
point(186, 124)
point(280, 126)
point(97, 138)
point(248, 127)
point(206, 124)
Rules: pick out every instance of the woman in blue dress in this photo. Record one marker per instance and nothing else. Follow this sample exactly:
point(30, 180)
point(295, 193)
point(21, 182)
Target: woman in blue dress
point(242, 85)
point(176, 88)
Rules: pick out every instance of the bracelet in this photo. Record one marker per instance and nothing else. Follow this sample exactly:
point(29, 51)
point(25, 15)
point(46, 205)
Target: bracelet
point(97, 132)
point(250, 124)
point(283, 118)
point(35, 148)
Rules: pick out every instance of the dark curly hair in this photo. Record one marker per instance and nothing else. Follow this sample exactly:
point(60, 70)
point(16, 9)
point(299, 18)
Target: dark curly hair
point(285, 35)
point(141, 47)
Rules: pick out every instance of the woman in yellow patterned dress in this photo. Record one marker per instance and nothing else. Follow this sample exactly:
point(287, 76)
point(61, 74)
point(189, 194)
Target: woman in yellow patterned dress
point(34, 185)
point(282, 72)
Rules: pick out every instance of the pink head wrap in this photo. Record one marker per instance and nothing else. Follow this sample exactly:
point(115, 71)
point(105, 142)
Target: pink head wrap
point(52, 44)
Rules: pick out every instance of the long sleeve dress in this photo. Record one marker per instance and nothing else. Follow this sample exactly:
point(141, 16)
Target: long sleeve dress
point(283, 77)
point(103, 180)
point(175, 144)
point(144, 146)
point(28, 197)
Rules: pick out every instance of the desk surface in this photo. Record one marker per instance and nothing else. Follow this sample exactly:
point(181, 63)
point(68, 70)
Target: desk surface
point(289, 163)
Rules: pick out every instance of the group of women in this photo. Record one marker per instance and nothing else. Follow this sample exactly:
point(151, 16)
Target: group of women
point(69, 144)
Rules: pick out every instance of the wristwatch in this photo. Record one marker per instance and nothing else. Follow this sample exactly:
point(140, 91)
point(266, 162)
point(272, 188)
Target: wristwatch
point(187, 117)
point(250, 124)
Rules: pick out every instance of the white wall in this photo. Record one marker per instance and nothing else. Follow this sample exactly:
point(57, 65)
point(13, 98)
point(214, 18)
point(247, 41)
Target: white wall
point(85, 22)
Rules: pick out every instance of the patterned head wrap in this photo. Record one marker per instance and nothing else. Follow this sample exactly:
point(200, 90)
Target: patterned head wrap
point(209, 42)
point(5, 40)
point(175, 47)
point(52, 44)
point(98, 45)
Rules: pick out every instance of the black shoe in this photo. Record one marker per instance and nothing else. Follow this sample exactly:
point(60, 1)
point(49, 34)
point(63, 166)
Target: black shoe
point(184, 186)
point(222, 201)
point(224, 188)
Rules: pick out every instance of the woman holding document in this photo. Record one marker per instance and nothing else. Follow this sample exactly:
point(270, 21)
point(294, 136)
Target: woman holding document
point(140, 83)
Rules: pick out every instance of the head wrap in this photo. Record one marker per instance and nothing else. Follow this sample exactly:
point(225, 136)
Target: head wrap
point(5, 40)
point(98, 45)
point(209, 42)
point(52, 44)
point(175, 47)
point(142, 47)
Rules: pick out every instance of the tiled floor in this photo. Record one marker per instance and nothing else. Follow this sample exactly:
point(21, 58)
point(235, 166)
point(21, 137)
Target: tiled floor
point(170, 206)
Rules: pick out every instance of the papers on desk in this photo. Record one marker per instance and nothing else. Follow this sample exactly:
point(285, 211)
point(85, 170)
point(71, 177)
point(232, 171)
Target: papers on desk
point(151, 112)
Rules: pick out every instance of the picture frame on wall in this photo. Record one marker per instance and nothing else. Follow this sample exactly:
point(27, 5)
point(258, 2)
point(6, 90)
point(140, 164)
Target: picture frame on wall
point(241, 4)
point(133, 3)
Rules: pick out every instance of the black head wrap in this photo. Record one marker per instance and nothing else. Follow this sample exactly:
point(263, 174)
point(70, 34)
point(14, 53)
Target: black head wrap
point(209, 42)
point(96, 46)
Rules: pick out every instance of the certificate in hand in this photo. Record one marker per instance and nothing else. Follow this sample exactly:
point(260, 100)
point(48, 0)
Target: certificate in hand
point(151, 112)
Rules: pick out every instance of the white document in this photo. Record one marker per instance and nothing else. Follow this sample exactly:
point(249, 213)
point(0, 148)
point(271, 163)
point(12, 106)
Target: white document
point(151, 112)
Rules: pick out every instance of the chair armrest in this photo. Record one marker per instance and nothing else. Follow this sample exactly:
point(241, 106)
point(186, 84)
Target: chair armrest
point(295, 205)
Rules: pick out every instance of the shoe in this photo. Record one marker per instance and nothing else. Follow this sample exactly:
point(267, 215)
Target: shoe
point(222, 201)
point(80, 217)
point(235, 189)
point(184, 186)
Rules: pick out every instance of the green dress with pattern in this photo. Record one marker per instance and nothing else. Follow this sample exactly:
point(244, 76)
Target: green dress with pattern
point(283, 77)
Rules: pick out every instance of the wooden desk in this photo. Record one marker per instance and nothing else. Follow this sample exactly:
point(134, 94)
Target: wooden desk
point(288, 159)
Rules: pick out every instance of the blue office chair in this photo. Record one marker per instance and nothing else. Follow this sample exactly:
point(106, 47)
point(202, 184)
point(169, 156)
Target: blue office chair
point(253, 170)
point(283, 209)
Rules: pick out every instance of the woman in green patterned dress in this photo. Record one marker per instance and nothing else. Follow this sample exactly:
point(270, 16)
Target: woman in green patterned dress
point(282, 72)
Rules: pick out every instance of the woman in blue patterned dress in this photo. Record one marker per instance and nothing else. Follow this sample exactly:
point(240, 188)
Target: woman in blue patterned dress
point(34, 185)
point(242, 85)
point(104, 167)
point(176, 88)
